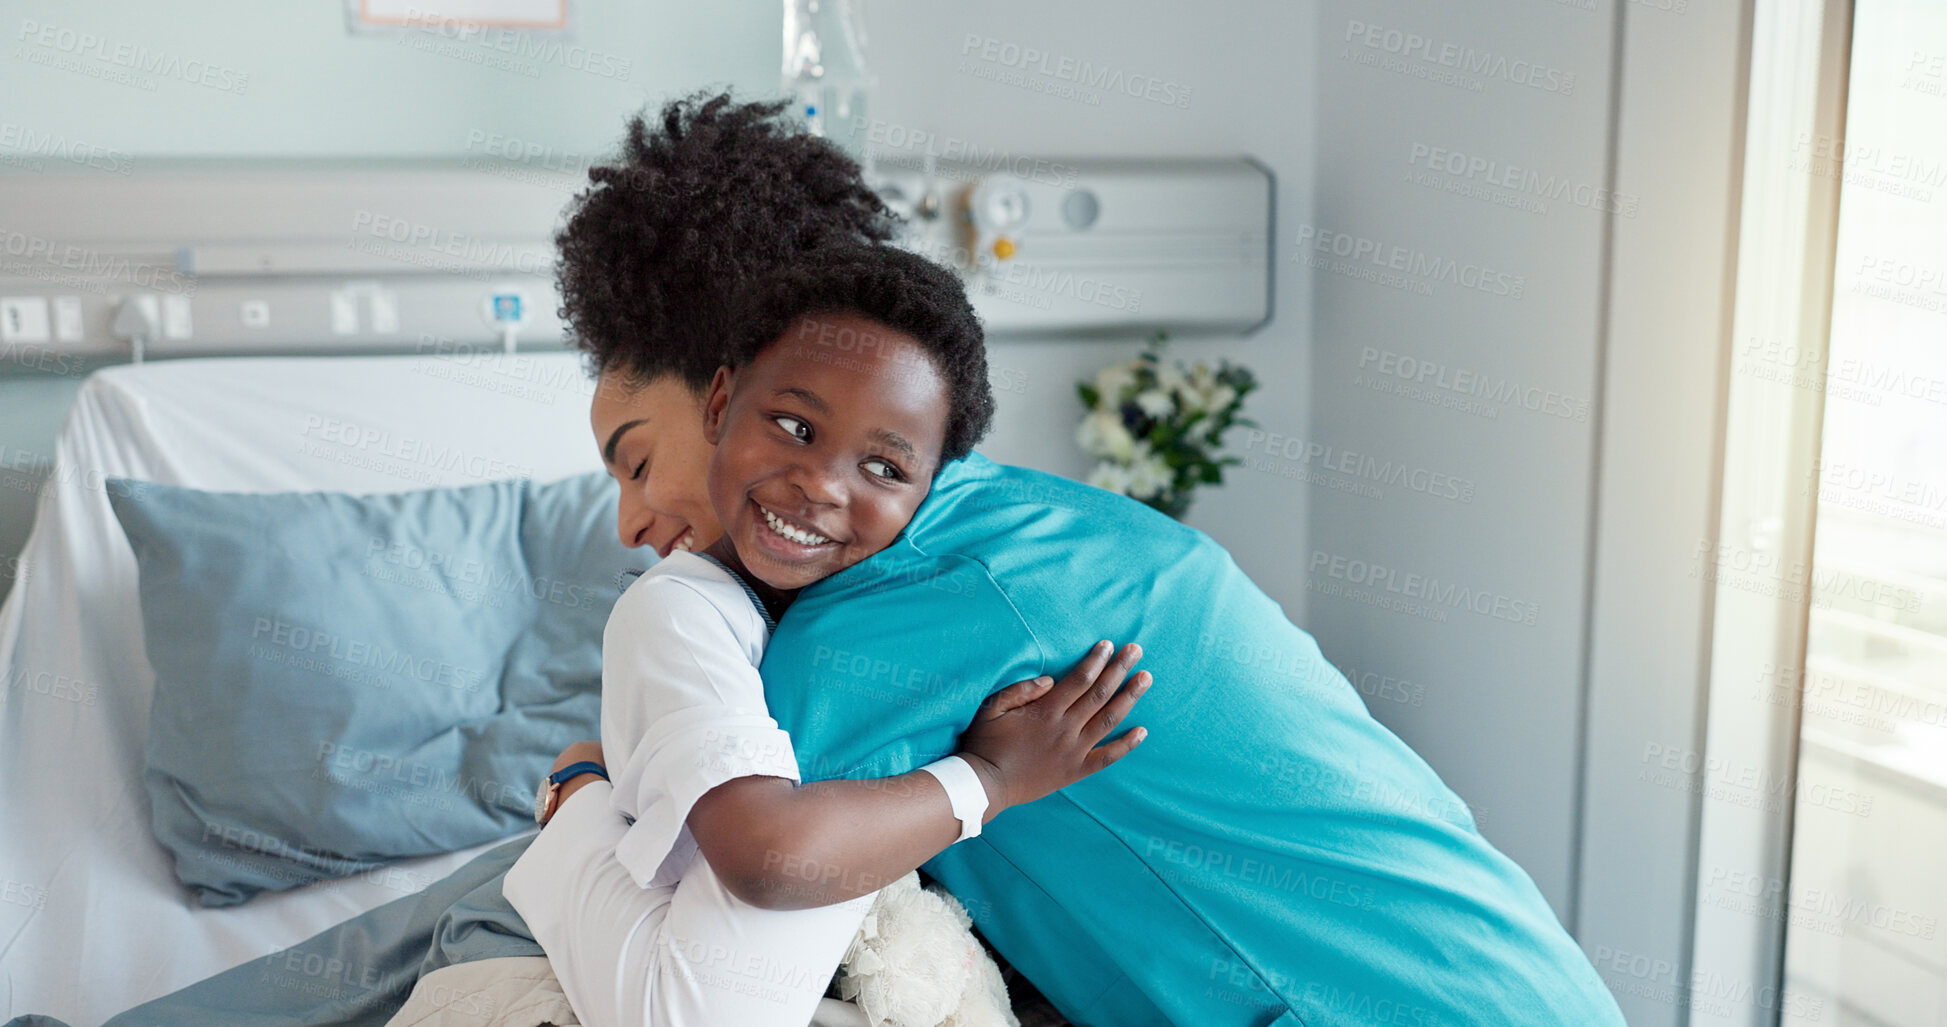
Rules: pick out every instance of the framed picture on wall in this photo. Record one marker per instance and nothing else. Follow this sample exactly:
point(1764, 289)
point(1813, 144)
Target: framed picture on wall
point(456, 16)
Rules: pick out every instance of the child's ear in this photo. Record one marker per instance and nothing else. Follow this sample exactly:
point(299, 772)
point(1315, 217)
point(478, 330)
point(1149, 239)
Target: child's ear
point(715, 402)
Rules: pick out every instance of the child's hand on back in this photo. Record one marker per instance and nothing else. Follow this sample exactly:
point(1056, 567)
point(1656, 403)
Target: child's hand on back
point(1036, 736)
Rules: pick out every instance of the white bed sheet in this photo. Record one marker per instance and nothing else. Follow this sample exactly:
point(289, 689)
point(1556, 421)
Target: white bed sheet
point(91, 919)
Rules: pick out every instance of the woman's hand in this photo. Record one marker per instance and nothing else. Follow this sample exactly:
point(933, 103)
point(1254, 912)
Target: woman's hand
point(591, 751)
point(1036, 736)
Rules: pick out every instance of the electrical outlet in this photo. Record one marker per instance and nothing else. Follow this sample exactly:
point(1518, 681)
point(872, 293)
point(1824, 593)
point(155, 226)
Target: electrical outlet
point(385, 312)
point(67, 319)
point(344, 313)
point(23, 319)
point(175, 318)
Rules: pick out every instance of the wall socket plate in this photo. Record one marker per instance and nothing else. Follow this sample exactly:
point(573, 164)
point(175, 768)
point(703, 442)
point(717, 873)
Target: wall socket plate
point(68, 325)
point(24, 319)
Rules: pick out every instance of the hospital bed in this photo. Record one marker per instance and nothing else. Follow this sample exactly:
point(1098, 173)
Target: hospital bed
point(93, 920)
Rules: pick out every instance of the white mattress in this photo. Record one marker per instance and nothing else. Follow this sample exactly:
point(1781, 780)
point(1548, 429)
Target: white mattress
point(91, 919)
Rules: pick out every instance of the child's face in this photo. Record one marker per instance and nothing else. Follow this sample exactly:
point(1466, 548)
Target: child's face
point(825, 445)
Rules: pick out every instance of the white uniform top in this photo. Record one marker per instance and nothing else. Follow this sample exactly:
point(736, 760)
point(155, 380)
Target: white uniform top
point(638, 928)
point(683, 706)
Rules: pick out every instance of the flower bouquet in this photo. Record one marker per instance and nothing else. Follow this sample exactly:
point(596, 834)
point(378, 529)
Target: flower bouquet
point(1155, 426)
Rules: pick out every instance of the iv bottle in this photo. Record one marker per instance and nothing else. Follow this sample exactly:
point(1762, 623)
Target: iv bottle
point(824, 69)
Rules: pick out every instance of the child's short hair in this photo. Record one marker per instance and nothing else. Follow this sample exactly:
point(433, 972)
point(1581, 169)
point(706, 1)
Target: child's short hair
point(704, 198)
point(901, 290)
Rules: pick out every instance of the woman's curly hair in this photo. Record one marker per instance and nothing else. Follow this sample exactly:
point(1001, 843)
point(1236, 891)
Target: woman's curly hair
point(716, 195)
point(900, 290)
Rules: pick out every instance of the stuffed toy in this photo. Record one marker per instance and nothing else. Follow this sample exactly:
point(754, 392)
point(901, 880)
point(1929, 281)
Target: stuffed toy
point(915, 963)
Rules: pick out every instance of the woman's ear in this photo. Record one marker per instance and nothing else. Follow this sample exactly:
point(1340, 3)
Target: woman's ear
point(715, 402)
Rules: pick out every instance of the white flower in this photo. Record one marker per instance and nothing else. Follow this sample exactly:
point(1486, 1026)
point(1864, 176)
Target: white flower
point(1112, 380)
point(1113, 477)
point(1148, 475)
point(1197, 390)
point(1192, 391)
point(1208, 395)
point(1206, 429)
point(1169, 376)
point(1101, 434)
point(1155, 402)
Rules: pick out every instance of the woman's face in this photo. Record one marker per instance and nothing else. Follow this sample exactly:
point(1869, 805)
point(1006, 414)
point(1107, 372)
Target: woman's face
point(651, 441)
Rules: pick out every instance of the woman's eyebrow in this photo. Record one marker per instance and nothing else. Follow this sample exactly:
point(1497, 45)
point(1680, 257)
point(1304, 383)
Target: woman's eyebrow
point(614, 437)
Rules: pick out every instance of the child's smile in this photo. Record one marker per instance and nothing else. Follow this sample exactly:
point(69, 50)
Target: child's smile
point(788, 531)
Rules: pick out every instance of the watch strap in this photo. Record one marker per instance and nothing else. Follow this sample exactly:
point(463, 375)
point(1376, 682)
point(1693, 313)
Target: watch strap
point(576, 769)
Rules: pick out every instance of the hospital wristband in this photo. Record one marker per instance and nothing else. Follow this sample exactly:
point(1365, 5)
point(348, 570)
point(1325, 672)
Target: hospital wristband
point(963, 790)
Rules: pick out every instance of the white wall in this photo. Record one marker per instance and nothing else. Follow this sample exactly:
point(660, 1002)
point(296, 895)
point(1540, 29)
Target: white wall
point(233, 78)
point(1680, 143)
point(1491, 692)
point(1246, 67)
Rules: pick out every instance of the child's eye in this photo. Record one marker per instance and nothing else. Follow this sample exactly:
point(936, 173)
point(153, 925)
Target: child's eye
point(884, 469)
point(793, 427)
point(637, 473)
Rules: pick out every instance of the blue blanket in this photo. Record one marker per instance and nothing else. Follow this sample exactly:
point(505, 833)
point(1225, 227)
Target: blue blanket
point(359, 972)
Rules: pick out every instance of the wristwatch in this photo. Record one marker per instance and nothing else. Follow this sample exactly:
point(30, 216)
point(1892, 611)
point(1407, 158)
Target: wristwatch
point(547, 796)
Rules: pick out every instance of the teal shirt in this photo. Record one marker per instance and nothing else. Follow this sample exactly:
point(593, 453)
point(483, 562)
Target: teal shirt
point(1269, 855)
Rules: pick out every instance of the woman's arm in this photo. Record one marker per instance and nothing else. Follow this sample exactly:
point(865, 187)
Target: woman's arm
point(780, 846)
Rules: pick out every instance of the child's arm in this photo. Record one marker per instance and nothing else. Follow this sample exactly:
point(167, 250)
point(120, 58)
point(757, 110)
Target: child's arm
point(777, 845)
point(656, 957)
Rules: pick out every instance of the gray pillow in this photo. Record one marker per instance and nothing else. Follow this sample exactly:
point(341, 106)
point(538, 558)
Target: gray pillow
point(344, 680)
